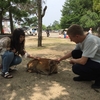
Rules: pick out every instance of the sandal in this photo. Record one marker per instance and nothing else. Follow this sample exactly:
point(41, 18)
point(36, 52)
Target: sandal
point(7, 75)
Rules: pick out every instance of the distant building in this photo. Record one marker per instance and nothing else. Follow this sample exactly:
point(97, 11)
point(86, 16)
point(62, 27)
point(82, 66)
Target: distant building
point(6, 25)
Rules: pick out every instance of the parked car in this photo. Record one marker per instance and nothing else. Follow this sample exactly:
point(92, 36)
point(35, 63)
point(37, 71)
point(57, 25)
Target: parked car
point(30, 31)
point(34, 31)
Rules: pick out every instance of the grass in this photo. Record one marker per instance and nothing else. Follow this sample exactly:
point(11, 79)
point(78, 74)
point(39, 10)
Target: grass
point(51, 47)
point(58, 44)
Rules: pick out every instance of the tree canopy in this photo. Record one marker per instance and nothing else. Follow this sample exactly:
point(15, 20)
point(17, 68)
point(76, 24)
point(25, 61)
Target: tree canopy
point(80, 12)
point(19, 11)
point(96, 5)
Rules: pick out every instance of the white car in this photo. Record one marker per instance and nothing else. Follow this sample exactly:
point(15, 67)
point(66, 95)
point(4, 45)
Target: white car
point(31, 31)
point(34, 32)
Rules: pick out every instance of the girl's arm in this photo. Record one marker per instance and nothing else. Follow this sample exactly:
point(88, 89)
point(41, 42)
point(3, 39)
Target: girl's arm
point(30, 56)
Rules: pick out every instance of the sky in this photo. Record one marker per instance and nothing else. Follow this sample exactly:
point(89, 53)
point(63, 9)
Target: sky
point(53, 11)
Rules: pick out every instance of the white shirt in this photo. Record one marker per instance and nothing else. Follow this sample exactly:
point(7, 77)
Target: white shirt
point(90, 47)
point(90, 31)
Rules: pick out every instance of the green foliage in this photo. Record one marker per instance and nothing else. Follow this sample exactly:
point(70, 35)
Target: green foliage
point(96, 5)
point(43, 27)
point(89, 19)
point(66, 21)
point(19, 1)
point(3, 3)
point(79, 12)
point(20, 9)
point(30, 21)
point(55, 25)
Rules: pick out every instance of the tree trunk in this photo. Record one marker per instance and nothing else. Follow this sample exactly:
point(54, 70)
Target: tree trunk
point(11, 20)
point(1, 27)
point(39, 23)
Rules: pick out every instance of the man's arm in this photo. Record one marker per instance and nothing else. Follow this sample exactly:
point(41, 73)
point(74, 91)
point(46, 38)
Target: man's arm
point(68, 55)
point(81, 60)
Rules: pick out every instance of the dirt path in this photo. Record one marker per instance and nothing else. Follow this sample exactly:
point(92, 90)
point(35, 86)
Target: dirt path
point(32, 86)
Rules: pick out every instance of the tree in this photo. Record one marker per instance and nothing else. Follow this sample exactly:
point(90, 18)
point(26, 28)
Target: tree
point(17, 12)
point(79, 12)
point(3, 4)
point(40, 16)
point(20, 10)
point(55, 25)
point(28, 16)
point(43, 27)
point(89, 19)
point(96, 5)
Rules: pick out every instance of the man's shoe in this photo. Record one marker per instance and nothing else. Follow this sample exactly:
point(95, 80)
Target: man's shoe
point(79, 78)
point(96, 85)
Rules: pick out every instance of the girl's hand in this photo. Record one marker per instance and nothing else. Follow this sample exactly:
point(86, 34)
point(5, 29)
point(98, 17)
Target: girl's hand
point(37, 58)
point(14, 50)
point(8, 48)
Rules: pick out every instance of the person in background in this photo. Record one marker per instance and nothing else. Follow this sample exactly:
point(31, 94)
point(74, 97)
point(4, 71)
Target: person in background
point(65, 33)
point(90, 31)
point(10, 49)
point(48, 33)
point(85, 58)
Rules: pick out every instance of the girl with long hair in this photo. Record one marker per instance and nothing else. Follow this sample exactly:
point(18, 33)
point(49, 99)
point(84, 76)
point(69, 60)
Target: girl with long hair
point(10, 49)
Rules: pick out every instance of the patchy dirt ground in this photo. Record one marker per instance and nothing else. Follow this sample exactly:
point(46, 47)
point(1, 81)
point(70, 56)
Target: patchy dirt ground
point(32, 86)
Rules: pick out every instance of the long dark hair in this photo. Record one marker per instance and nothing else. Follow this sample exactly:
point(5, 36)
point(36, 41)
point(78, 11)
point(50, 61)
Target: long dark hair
point(15, 41)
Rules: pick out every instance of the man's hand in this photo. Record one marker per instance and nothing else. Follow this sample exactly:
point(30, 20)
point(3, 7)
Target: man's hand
point(57, 60)
point(72, 61)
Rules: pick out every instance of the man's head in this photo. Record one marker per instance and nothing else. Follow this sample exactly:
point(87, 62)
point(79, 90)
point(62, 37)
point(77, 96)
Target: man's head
point(76, 33)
